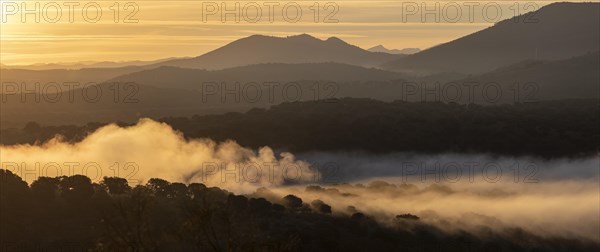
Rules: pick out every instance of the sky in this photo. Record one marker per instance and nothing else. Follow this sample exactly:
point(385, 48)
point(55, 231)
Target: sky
point(111, 30)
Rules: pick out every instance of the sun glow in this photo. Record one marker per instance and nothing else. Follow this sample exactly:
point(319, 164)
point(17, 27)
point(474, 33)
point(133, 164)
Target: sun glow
point(69, 31)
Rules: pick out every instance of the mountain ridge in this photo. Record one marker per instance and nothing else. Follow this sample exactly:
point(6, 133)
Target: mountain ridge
point(562, 30)
point(188, 78)
point(381, 48)
point(303, 48)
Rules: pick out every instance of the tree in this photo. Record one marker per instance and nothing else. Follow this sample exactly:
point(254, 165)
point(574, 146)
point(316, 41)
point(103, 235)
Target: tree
point(407, 216)
point(159, 187)
point(45, 189)
point(292, 201)
point(15, 207)
point(116, 185)
point(237, 202)
point(76, 189)
point(321, 207)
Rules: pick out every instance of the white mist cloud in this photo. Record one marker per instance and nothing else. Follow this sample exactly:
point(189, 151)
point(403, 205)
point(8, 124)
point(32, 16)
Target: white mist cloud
point(154, 150)
point(555, 197)
point(562, 201)
point(561, 208)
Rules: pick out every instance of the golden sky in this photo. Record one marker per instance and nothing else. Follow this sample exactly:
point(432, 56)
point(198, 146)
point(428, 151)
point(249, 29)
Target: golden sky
point(73, 31)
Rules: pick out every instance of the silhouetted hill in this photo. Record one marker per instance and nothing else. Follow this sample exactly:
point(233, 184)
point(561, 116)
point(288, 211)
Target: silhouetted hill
point(547, 80)
point(105, 102)
point(303, 48)
point(556, 31)
point(173, 77)
point(179, 92)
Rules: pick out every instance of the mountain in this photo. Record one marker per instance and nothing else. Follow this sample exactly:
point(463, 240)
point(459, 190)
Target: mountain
point(303, 48)
point(531, 80)
point(174, 77)
point(107, 102)
point(547, 128)
point(556, 31)
point(573, 78)
point(382, 49)
point(172, 91)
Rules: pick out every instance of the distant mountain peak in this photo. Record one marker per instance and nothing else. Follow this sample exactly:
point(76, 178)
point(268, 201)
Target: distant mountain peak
point(255, 37)
point(554, 32)
point(303, 37)
point(336, 40)
point(302, 48)
point(378, 47)
point(381, 48)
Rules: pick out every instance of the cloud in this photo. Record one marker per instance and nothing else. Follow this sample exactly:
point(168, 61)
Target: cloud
point(561, 199)
point(553, 209)
point(154, 150)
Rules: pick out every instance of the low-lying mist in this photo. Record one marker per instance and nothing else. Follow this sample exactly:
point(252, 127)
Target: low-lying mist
point(154, 150)
point(456, 192)
point(463, 191)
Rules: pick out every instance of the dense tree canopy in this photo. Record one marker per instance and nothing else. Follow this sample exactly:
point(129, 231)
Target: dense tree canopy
point(547, 129)
point(74, 214)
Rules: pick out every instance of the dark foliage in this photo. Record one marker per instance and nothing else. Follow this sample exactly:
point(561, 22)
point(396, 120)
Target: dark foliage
point(74, 214)
point(546, 129)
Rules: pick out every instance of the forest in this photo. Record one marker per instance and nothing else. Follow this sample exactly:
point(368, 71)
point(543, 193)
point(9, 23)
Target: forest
point(74, 214)
point(548, 129)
